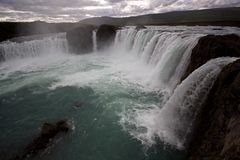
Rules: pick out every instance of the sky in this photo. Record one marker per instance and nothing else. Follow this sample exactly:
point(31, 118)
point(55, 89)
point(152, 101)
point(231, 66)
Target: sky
point(75, 10)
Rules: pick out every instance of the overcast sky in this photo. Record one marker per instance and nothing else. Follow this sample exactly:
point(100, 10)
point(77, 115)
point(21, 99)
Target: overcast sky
point(75, 10)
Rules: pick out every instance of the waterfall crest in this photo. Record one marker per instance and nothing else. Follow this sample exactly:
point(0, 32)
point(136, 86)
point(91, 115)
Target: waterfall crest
point(168, 53)
point(47, 45)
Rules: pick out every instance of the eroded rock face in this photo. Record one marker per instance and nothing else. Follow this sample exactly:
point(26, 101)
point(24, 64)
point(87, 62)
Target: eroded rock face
point(45, 139)
point(9, 30)
point(1, 56)
point(213, 46)
point(80, 39)
point(138, 27)
point(105, 36)
point(217, 135)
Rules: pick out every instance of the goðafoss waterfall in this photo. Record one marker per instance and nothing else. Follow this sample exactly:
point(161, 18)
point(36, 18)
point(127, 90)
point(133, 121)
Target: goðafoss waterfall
point(135, 86)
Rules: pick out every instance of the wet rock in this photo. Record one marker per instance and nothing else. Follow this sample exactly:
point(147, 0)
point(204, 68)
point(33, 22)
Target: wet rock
point(1, 56)
point(213, 46)
point(45, 139)
point(231, 147)
point(216, 135)
point(80, 39)
point(138, 27)
point(105, 36)
point(77, 104)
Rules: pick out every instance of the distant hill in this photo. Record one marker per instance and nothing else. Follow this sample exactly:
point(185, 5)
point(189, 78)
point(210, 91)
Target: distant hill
point(215, 17)
point(218, 16)
point(17, 29)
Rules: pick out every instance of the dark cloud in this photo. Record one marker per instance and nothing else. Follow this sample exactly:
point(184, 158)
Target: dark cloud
point(75, 10)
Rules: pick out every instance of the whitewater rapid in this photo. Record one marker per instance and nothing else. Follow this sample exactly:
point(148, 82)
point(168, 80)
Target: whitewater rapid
point(140, 74)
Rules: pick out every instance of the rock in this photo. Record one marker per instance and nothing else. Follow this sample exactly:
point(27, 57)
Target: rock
point(1, 56)
point(10, 30)
point(77, 104)
point(44, 140)
point(216, 135)
point(105, 36)
point(138, 27)
point(80, 39)
point(231, 147)
point(213, 46)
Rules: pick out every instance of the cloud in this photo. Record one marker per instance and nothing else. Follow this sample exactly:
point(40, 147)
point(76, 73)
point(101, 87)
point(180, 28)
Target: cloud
point(75, 10)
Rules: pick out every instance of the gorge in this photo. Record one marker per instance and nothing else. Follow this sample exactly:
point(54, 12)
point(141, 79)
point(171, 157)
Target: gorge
point(156, 92)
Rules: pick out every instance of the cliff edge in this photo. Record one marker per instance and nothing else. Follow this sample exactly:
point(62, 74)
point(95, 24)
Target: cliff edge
point(216, 134)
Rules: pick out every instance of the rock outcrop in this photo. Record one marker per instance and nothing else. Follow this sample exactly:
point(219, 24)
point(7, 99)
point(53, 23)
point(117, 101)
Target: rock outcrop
point(1, 56)
point(45, 139)
point(213, 46)
point(105, 36)
point(80, 39)
point(216, 136)
point(216, 132)
point(138, 27)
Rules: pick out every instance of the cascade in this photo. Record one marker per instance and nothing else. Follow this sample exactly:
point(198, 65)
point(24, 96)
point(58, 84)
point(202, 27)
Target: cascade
point(143, 82)
point(173, 122)
point(167, 52)
point(94, 41)
point(47, 45)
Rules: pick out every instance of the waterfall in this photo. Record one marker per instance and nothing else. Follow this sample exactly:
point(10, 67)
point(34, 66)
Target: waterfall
point(140, 75)
point(47, 45)
point(167, 52)
point(94, 41)
point(173, 122)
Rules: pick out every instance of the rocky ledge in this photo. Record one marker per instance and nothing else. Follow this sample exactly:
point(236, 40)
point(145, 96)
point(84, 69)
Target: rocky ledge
point(105, 36)
point(45, 139)
point(213, 46)
point(216, 134)
point(80, 39)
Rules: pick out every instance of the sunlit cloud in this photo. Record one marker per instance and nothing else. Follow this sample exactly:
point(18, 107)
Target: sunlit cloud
point(102, 2)
point(97, 7)
point(75, 10)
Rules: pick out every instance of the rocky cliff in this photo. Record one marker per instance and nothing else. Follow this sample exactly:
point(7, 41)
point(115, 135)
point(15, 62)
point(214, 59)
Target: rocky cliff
point(105, 36)
point(80, 39)
point(213, 46)
point(216, 135)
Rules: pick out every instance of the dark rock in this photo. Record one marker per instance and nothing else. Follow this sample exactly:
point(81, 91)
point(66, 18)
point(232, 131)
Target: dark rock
point(216, 136)
point(1, 56)
point(105, 36)
point(77, 104)
point(231, 147)
point(213, 46)
point(44, 140)
point(10, 30)
point(80, 39)
point(138, 27)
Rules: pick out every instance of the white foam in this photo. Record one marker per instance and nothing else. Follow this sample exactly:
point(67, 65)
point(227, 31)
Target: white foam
point(115, 67)
point(172, 122)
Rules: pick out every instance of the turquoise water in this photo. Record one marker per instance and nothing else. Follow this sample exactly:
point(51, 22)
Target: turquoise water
point(109, 89)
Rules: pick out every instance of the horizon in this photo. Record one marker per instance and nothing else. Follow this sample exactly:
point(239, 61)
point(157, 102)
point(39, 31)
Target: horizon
point(76, 10)
point(116, 17)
